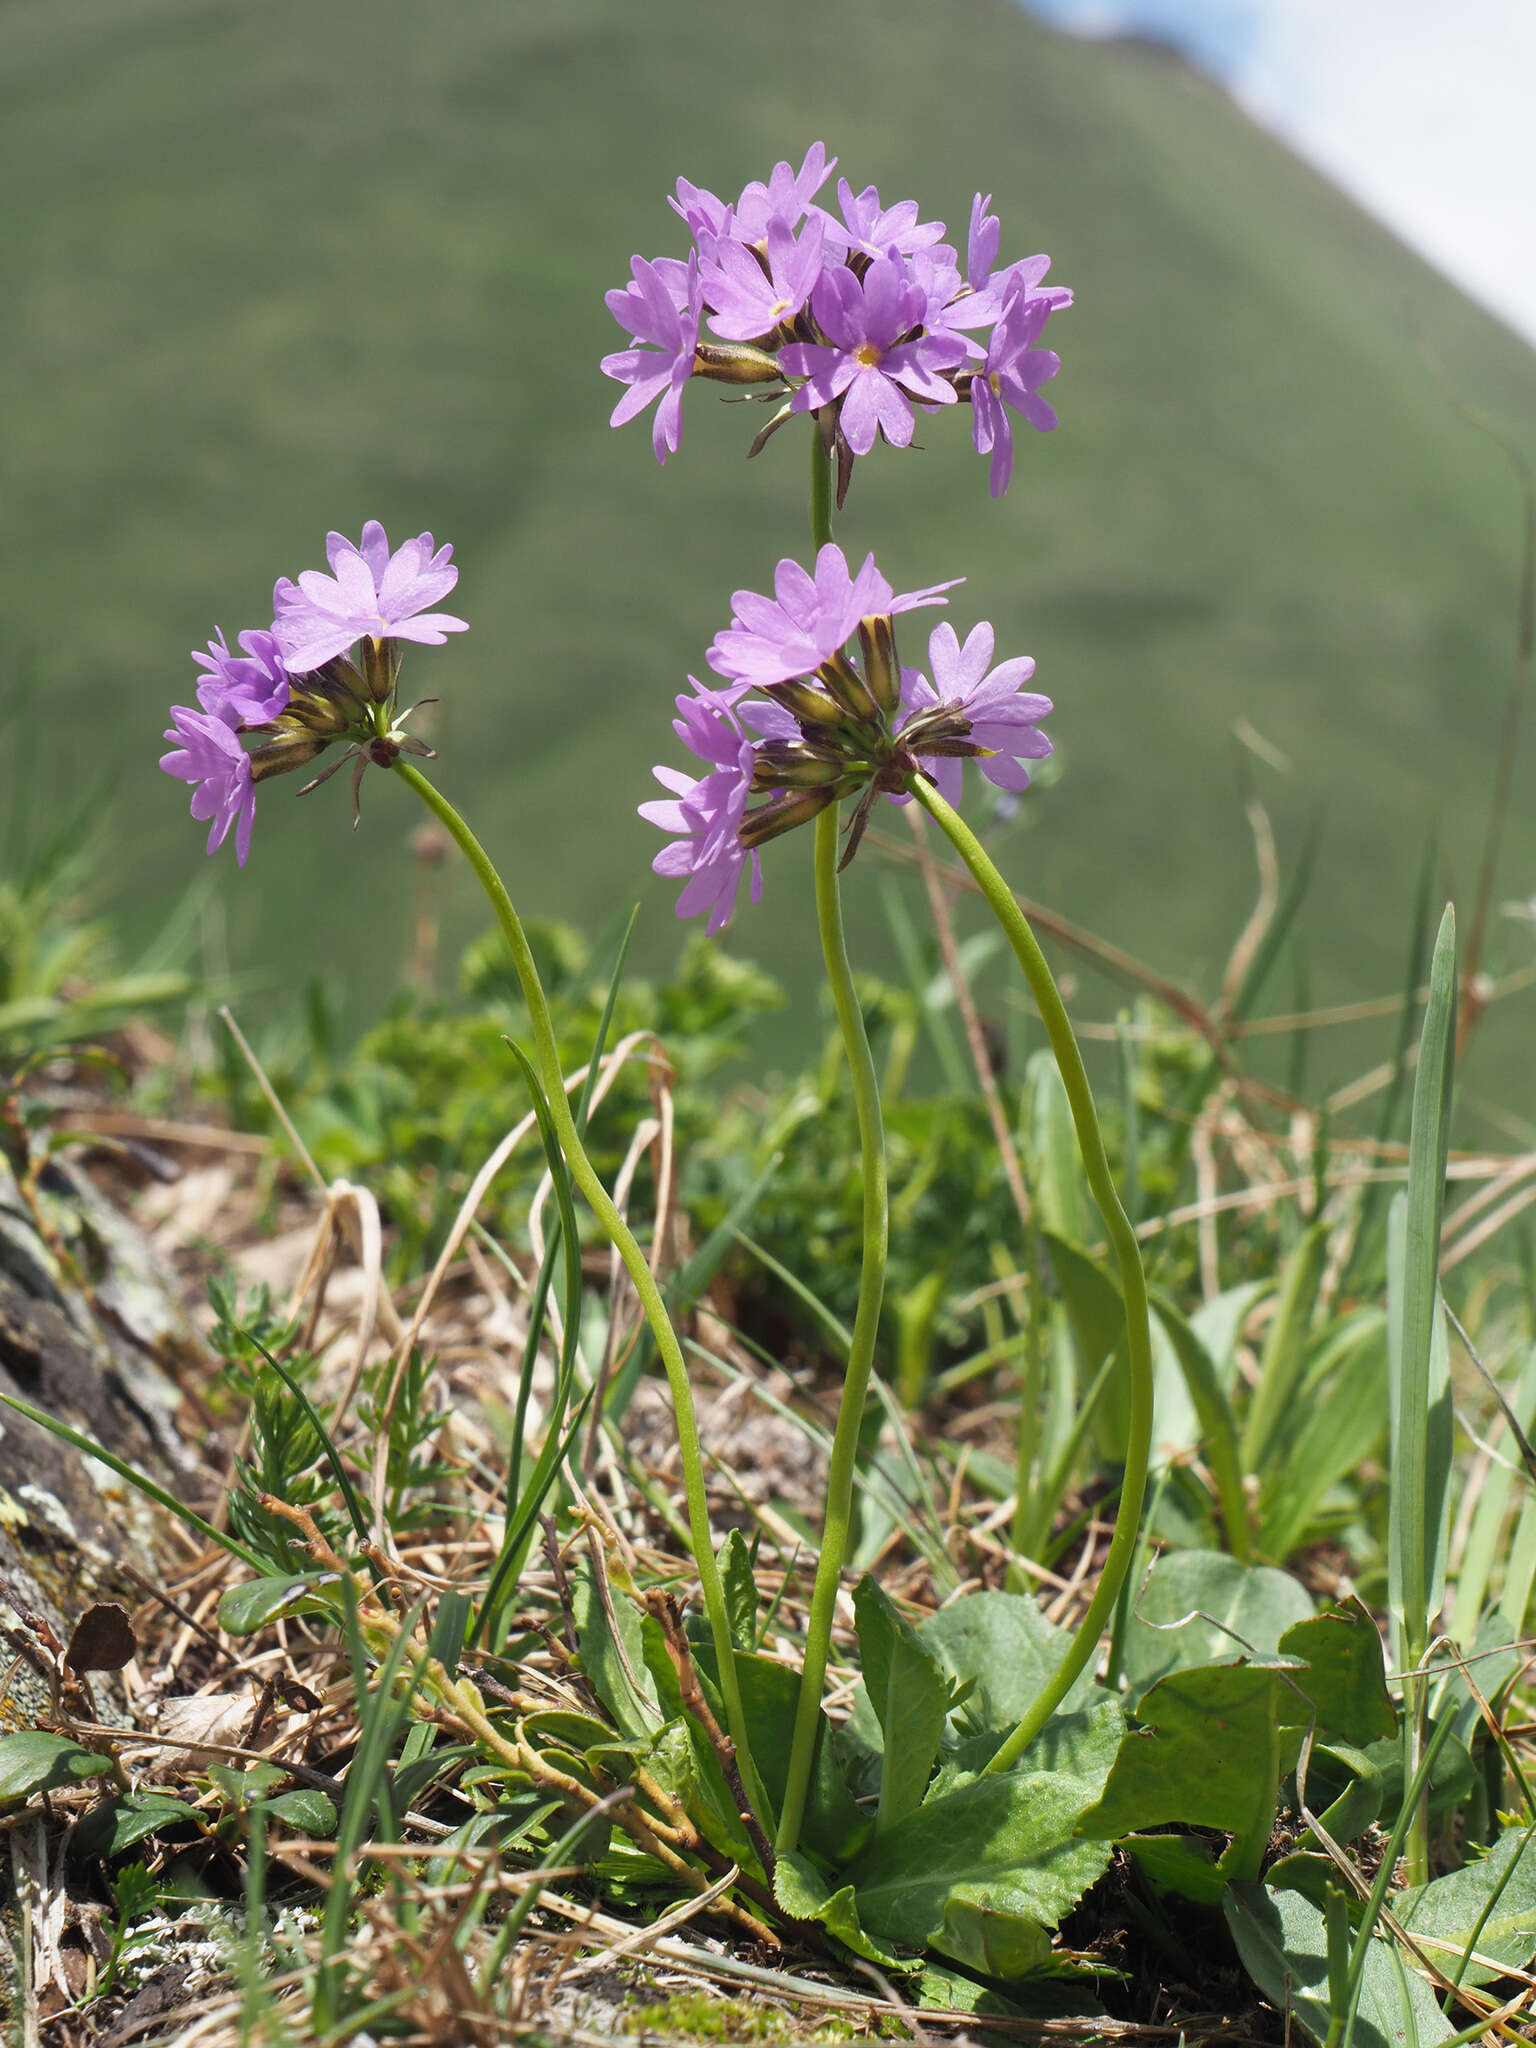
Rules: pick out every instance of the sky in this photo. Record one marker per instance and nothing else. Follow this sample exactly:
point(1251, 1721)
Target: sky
point(1424, 111)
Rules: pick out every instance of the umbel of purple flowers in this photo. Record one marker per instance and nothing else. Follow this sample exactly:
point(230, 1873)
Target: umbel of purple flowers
point(802, 722)
point(327, 669)
point(855, 316)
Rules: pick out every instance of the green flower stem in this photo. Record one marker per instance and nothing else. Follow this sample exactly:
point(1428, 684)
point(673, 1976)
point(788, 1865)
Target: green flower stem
point(1133, 1282)
point(547, 1060)
point(866, 1323)
point(876, 1226)
point(821, 489)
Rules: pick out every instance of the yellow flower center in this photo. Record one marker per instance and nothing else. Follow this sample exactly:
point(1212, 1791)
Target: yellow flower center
point(868, 357)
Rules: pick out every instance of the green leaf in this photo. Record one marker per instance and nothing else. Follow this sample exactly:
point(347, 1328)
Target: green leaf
point(35, 1762)
point(1004, 1646)
point(241, 1787)
point(1345, 1409)
point(615, 1665)
point(1284, 1946)
point(1006, 1844)
point(740, 1586)
point(834, 1826)
point(248, 1607)
point(1345, 1682)
point(1093, 1302)
point(908, 1692)
point(1285, 1346)
point(1218, 1431)
point(804, 1894)
point(1210, 1753)
point(1184, 1865)
point(1489, 1906)
point(106, 1831)
point(1051, 1143)
point(1421, 1397)
point(1201, 1608)
point(306, 1810)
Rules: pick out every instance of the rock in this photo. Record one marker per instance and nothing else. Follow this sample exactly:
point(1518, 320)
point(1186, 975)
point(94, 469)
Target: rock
point(88, 1325)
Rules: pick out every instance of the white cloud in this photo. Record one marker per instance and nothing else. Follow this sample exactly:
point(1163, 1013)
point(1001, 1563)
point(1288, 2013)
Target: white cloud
point(1424, 111)
point(1427, 113)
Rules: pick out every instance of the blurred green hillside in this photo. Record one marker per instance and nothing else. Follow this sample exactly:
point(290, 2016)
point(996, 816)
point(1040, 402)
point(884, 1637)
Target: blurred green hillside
point(272, 269)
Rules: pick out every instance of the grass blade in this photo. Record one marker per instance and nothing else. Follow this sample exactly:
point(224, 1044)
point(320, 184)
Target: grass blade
point(1414, 1316)
point(1419, 1367)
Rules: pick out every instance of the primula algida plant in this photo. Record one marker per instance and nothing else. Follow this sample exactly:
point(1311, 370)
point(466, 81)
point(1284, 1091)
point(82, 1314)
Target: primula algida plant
point(853, 320)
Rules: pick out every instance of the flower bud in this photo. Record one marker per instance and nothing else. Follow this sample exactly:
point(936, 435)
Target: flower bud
point(843, 682)
point(806, 703)
point(381, 666)
point(735, 362)
point(877, 643)
point(789, 764)
point(770, 819)
point(292, 748)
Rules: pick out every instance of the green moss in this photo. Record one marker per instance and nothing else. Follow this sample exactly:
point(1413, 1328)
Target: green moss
point(702, 2016)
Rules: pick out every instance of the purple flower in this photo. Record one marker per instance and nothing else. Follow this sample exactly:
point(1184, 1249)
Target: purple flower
point(866, 367)
point(785, 198)
point(808, 619)
point(1011, 376)
point(982, 243)
point(704, 814)
point(748, 303)
point(209, 755)
point(870, 229)
point(704, 213)
point(1000, 714)
point(371, 594)
point(251, 688)
point(648, 309)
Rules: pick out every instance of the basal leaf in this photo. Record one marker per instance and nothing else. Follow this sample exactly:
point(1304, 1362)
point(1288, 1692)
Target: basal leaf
point(33, 1761)
point(910, 1696)
point(740, 1586)
point(1489, 1905)
point(1004, 1646)
point(803, 1892)
point(1345, 1681)
point(613, 1654)
point(1007, 1844)
point(1210, 1753)
point(1185, 1865)
point(306, 1810)
point(1282, 1941)
point(1199, 1607)
point(250, 1606)
point(835, 1828)
point(106, 1831)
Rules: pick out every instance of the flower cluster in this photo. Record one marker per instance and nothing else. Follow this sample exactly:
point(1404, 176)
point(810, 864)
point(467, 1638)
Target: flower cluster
point(800, 721)
point(856, 316)
point(326, 669)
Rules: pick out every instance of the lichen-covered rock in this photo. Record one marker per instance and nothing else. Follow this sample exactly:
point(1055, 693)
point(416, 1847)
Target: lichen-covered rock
point(88, 1327)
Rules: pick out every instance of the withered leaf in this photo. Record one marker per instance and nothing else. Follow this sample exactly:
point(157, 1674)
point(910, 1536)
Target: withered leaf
point(102, 1639)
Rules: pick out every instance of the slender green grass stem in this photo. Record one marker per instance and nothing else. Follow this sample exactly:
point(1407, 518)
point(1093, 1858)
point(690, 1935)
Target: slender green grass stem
point(552, 1079)
point(1133, 1282)
point(866, 1323)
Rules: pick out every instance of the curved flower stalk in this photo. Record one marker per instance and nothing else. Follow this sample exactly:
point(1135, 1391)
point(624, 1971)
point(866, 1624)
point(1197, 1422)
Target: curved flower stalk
point(1133, 1281)
point(856, 316)
point(326, 671)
